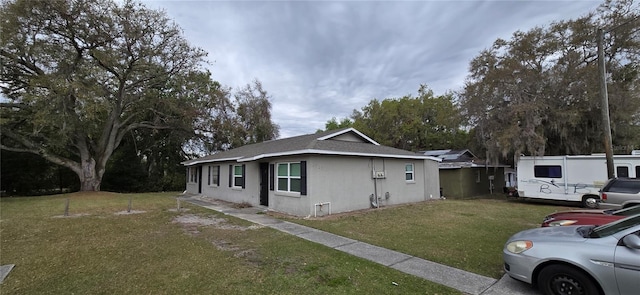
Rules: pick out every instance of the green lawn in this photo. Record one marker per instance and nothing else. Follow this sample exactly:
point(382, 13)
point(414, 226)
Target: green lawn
point(466, 234)
point(96, 251)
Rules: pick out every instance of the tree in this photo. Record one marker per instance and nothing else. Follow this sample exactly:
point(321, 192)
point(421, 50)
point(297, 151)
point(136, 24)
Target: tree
point(253, 110)
point(333, 124)
point(24, 174)
point(538, 93)
point(422, 123)
point(80, 75)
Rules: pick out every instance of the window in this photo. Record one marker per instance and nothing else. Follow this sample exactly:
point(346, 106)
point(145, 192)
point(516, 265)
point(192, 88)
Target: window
point(238, 176)
point(637, 171)
point(408, 172)
point(289, 177)
point(547, 171)
point(478, 176)
point(622, 171)
point(214, 175)
point(193, 174)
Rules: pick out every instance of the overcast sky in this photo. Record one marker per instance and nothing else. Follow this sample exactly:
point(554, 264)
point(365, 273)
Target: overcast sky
point(323, 59)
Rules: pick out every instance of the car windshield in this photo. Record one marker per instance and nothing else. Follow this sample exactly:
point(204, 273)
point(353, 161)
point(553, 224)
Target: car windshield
point(628, 211)
point(614, 227)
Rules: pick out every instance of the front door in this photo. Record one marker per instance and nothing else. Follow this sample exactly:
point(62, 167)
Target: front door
point(264, 184)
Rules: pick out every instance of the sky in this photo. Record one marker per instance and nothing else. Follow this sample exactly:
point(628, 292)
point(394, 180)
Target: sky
point(323, 59)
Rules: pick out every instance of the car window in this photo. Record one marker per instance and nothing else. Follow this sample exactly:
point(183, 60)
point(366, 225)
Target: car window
point(614, 227)
point(629, 187)
point(628, 211)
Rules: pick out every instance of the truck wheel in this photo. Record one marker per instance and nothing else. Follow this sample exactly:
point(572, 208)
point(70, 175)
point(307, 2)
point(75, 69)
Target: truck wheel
point(562, 279)
point(590, 202)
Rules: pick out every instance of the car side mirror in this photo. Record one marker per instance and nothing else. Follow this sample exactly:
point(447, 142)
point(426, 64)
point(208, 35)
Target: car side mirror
point(632, 241)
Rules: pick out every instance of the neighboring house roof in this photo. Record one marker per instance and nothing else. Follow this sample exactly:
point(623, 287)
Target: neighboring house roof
point(451, 155)
point(455, 159)
point(346, 142)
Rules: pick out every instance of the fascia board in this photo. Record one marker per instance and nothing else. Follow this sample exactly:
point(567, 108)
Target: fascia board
point(196, 162)
point(337, 153)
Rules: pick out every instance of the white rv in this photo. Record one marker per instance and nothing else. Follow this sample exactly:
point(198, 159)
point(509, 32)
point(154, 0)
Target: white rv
point(571, 178)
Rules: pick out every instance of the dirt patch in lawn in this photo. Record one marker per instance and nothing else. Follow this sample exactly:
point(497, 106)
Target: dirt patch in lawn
point(219, 223)
point(192, 224)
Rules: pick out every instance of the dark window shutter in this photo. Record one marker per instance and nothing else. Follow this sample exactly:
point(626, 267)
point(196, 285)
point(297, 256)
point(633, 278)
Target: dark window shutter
point(272, 169)
point(244, 180)
point(230, 175)
point(303, 178)
point(218, 175)
point(209, 175)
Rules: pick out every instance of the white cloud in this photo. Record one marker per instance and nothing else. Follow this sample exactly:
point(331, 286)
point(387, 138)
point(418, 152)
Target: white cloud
point(323, 59)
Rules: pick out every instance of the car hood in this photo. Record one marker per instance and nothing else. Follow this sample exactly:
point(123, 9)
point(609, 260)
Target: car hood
point(580, 211)
point(586, 218)
point(555, 233)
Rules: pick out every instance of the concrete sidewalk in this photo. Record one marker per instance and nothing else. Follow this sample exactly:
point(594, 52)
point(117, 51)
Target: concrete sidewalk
point(461, 280)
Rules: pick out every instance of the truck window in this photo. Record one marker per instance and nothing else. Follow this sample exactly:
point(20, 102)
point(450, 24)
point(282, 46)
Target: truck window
point(622, 171)
point(547, 171)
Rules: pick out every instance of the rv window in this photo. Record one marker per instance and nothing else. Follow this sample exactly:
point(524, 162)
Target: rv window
point(638, 171)
point(547, 171)
point(622, 171)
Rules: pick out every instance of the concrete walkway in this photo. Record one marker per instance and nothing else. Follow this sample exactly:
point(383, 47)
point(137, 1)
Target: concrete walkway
point(461, 280)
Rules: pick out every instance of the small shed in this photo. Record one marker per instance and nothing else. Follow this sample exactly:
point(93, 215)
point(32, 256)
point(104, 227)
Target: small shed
point(463, 175)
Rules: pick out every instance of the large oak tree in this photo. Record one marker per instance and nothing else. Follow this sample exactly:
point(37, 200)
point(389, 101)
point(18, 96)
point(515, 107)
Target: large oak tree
point(80, 75)
point(538, 93)
point(425, 122)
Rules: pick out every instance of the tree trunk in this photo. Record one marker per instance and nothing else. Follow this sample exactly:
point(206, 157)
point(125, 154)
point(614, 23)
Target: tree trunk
point(89, 178)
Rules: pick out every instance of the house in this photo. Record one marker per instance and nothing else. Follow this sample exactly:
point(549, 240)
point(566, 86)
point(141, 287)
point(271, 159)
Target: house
point(316, 174)
point(463, 175)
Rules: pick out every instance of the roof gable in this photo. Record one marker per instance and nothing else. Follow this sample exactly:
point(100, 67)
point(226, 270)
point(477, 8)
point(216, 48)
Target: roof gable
point(348, 134)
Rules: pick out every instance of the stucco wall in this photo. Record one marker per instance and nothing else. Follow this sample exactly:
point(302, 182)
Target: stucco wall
point(250, 193)
point(346, 182)
point(432, 179)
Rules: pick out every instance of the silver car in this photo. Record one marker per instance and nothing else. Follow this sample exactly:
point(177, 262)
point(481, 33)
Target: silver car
point(578, 259)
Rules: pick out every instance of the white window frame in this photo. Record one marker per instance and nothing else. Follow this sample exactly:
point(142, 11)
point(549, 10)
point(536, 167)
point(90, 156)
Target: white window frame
point(236, 176)
point(214, 181)
point(412, 172)
point(193, 174)
point(288, 177)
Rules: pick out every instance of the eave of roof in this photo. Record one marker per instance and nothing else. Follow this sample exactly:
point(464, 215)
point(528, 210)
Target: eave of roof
point(339, 153)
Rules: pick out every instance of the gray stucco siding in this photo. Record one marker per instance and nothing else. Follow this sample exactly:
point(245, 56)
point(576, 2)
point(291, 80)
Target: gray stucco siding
point(346, 182)
point(250, 193)
point(288, 202)
point(432, 181)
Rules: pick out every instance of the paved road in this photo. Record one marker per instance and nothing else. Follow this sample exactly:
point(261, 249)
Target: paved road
point(464, 281)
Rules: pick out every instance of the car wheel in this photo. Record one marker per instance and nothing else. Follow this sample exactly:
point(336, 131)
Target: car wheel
point(590, 202)
point(564, 280)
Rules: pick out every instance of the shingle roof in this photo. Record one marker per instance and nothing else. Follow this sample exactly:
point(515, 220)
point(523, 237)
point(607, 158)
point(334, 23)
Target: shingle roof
point(451, 155)
point(317, 143)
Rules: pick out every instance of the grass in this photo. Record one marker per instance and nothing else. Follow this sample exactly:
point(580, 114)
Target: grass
point(466, 234)
point(96, 251)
